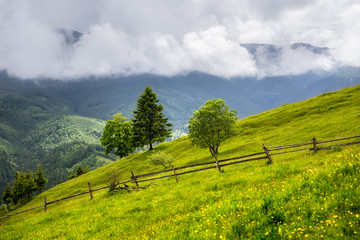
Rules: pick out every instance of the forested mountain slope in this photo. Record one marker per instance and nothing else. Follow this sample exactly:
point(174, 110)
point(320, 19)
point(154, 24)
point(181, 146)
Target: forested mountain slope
point(35, 125)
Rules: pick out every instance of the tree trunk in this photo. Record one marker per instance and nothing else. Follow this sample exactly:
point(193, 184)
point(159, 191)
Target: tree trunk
point(151, 147)
point(217, 163)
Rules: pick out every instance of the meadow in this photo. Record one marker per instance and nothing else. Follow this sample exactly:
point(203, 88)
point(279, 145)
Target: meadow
point(302, 195)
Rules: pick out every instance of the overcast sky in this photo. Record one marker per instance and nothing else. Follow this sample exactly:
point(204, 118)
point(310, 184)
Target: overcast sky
point(170, 37)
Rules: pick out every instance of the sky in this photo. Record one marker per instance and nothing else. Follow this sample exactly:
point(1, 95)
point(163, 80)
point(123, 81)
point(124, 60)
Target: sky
point(170, 37)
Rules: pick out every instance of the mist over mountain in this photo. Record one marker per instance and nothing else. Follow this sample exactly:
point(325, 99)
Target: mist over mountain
point(78, 39)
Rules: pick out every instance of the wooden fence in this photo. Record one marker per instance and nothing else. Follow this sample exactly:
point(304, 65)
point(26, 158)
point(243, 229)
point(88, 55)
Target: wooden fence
point(267, 153)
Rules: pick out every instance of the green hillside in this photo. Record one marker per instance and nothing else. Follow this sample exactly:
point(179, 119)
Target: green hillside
point(36, 125)
point(302, 195)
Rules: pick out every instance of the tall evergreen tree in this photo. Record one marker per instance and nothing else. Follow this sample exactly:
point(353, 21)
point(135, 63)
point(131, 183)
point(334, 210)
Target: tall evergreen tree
point(149, 124)
point(40, 179)
point(7, 196)
point(23, 186)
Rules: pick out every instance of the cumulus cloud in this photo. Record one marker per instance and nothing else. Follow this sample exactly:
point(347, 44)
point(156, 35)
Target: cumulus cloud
point(346, 47)
point(211, 51)
point(278, 61)
point(170, 37)
point(28, 48)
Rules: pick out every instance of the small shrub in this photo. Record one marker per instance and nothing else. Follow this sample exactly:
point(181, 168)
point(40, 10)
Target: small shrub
point(161, 158)
point(114, 177)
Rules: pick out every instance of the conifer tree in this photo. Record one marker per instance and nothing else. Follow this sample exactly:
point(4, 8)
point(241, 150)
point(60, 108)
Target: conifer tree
point(149, 124)
point(40, 179)
point(79, 171)
point(23, 186)
point(7, 196)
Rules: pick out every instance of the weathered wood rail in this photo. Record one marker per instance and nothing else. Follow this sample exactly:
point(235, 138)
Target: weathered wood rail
point(267, 153)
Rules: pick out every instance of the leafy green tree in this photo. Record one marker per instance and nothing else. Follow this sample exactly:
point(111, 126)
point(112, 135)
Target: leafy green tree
point(211, 124)
point(23, 187)
point(7, 196)
point(40, 179)
point(149, 124)
point(117, 136)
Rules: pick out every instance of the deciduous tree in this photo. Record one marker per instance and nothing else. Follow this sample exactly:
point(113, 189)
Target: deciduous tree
point(117, 136)
point(211, 124)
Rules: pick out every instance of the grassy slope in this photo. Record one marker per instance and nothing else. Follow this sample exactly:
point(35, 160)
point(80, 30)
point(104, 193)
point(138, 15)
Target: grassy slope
point(301, 195)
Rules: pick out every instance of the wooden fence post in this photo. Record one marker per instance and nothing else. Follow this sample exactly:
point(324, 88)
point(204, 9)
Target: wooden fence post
point(133, 176)
point(175, 173)
point(7, 212)
point(91, 196)
point(314, 144)
point(267, 154)
point(44, 204)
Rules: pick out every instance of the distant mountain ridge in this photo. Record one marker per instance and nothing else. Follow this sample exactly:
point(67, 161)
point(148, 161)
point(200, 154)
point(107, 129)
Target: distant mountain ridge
point(276, 49)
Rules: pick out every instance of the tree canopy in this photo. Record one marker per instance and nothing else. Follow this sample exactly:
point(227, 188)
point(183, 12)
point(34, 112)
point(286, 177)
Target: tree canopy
point(149, 124)
point(117, 136)
point(211, 124)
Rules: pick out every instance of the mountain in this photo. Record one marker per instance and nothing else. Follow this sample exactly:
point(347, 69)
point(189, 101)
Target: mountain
point(311, 48)
point(301, 195)
point(36, 125)
point(42, 117)
point(70, 37)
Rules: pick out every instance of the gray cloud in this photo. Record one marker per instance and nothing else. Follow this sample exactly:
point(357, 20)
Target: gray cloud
point(76, 15)
point(272, 10)
point(171, 37)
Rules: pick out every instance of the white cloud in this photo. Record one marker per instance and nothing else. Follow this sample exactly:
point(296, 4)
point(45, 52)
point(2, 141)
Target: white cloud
point(346, 48)
point(211, 51)
point(28, 48)
point(171, 37)
point(298, 61)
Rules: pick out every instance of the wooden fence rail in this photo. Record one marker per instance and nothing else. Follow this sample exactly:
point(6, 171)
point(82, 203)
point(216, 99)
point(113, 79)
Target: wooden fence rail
point(267, 153)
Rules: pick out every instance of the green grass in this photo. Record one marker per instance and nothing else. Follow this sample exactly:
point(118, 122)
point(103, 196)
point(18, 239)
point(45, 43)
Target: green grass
point(301, 195)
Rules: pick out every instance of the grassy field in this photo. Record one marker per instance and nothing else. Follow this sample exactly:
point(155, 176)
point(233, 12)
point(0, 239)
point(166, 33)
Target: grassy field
point(301, 195)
